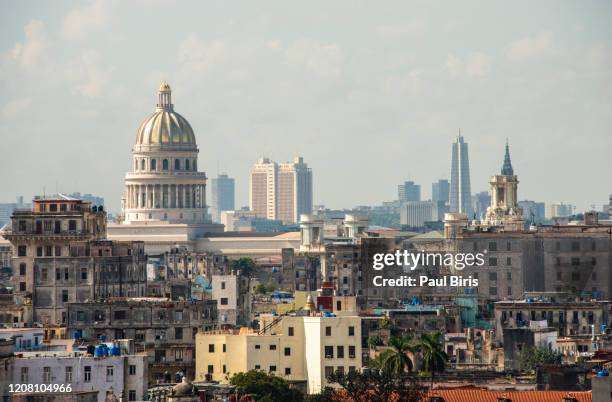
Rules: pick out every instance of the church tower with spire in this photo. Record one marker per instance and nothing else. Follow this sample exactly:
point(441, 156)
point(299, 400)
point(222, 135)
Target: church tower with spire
point(504, 211)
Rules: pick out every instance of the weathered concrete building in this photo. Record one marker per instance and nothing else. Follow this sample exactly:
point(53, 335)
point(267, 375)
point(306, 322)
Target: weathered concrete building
point(165, 329)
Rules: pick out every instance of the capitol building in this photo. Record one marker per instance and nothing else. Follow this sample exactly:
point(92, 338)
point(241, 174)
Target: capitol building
point(165, 184)
point(164, 199)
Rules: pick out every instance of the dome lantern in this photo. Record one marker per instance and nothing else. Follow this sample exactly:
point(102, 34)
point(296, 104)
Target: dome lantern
point(164, 96)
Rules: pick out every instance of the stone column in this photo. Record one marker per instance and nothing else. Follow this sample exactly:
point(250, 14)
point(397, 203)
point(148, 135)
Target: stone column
point(154, 196)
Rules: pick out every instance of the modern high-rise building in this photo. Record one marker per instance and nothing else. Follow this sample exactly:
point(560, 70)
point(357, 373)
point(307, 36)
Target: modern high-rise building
point(222, 195)
point(480, 202)
point(559, 210)
point(409, 191)
point(460, 190)
point(281, 191)
point(533, 211)
point(415, 214)
point(440, 191)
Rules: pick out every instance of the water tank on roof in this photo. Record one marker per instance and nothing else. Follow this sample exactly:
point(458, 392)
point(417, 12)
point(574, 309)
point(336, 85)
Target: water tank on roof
point(603, 373)
point(115, 350)
point(98, 352)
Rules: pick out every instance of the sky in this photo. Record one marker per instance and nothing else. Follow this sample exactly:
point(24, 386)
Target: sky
point(370, 93)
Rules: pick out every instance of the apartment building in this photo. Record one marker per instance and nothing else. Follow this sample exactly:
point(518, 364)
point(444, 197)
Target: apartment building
point(301, 349)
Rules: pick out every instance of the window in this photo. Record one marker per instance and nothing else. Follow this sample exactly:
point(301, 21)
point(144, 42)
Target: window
point(66, 274)
point(492, 261)
point(492, 276)
point(120, 315)
point(87, 374)
point(329, 370)
point(327, 331)
point(224, 301)
point(22, 269)
point(39, 251)
point(132, 369)
point(142, 164)
point(178, 355)
point(508, 246)
point(58, 251)
point(290, 331)
point(287, 351)
point(186, 164)
point(165, 164)
point(493, 291)
point(24, 375)
point(83, 274)
point(575, 261)
point(68, 375)
point(72, 225)
point(575, 246)
point(132, 395)
point(272, 369)
point(351, 331)
point(153, 164)
point(351, 369)
point(224, 369)
point(224, 348)
point(21, 251)
point(46, 375)
point(340, 370)
point(222, 285)
point(64, 296)
point(210, 369)
point(339, 304)
point(508, 260)
point(575, 276)
point(211, 348)
point(492, 246)
point(509, 275)
point(257, 367)
point(272, 347)
point(340, 352)
point(351, 352)
point(329, 352)
point(177, 164)
point(287, 370)
point(178, 333)
point(22, 286)
point(178, 315)
point(109, 373)
point(509, 290)
point(257, 347)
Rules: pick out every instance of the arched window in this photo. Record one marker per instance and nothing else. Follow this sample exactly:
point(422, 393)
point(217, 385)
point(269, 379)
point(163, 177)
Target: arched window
point(195, 164)
point(153, 164)
point(186, 164)
point(142, 164)
point(165, 164)
point(135, 164)
point(177, 164)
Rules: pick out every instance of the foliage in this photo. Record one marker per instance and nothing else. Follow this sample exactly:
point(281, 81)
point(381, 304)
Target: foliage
point(395, 360)
point(246, 266)
point(377, 386)
point(385, 323)
point(375, 341)
point(432, 353)
point(532, 357)
point(265, 387)
point(261, 289)
point(326, 395)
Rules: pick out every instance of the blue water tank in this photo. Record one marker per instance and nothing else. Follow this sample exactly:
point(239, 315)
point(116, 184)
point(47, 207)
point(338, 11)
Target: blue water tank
point(104, 349)
point(98, 352)
point(78, 334)
point(603, 373)
point(115, 350)
point(102, 338)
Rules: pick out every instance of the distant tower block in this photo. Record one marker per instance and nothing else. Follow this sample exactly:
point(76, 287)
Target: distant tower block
point(460, 189)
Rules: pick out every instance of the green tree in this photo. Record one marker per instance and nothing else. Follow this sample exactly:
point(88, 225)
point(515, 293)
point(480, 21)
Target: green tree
point(395, 359)
point(374, 341)
point(265, 387)
point(385, 323)
point(432, 353)
point(374, 385)
point(261, 289)
point(532, 357)
point(246, 266)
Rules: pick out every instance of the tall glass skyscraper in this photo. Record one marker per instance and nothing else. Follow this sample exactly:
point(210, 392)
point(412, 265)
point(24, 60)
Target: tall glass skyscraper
point(460, 190)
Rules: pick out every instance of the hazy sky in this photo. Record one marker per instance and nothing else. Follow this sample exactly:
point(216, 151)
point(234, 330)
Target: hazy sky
point(370, 93)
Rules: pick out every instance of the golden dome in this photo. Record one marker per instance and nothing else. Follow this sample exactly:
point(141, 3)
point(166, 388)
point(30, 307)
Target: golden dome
point(164, 87)
point(165, 126)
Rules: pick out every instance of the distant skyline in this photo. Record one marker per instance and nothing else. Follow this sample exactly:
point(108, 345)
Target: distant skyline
point(370, 96)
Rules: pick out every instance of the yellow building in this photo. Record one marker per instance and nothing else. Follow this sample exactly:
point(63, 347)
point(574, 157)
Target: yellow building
point(297, 348)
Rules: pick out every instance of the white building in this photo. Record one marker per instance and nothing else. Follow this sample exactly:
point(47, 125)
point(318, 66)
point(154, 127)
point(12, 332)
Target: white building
point(25, 338)
point(233, 299)
point(222, 195)
point(125, 374)
point(414, 214)
point(281, 191)
point(558, 210)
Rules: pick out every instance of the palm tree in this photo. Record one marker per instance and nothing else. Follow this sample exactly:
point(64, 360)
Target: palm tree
point(396, 359)
point(432, 352)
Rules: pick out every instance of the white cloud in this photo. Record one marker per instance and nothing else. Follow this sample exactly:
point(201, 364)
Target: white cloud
point(476, 64)
point(90, 18)
point(14, 107)
point(530, 46)
point(323, 59)
point(199, 55)
point(91, 79)
point(29, 53)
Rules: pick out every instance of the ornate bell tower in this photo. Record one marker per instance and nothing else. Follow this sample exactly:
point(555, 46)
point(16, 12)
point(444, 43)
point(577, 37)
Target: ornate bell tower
point(504, 210)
